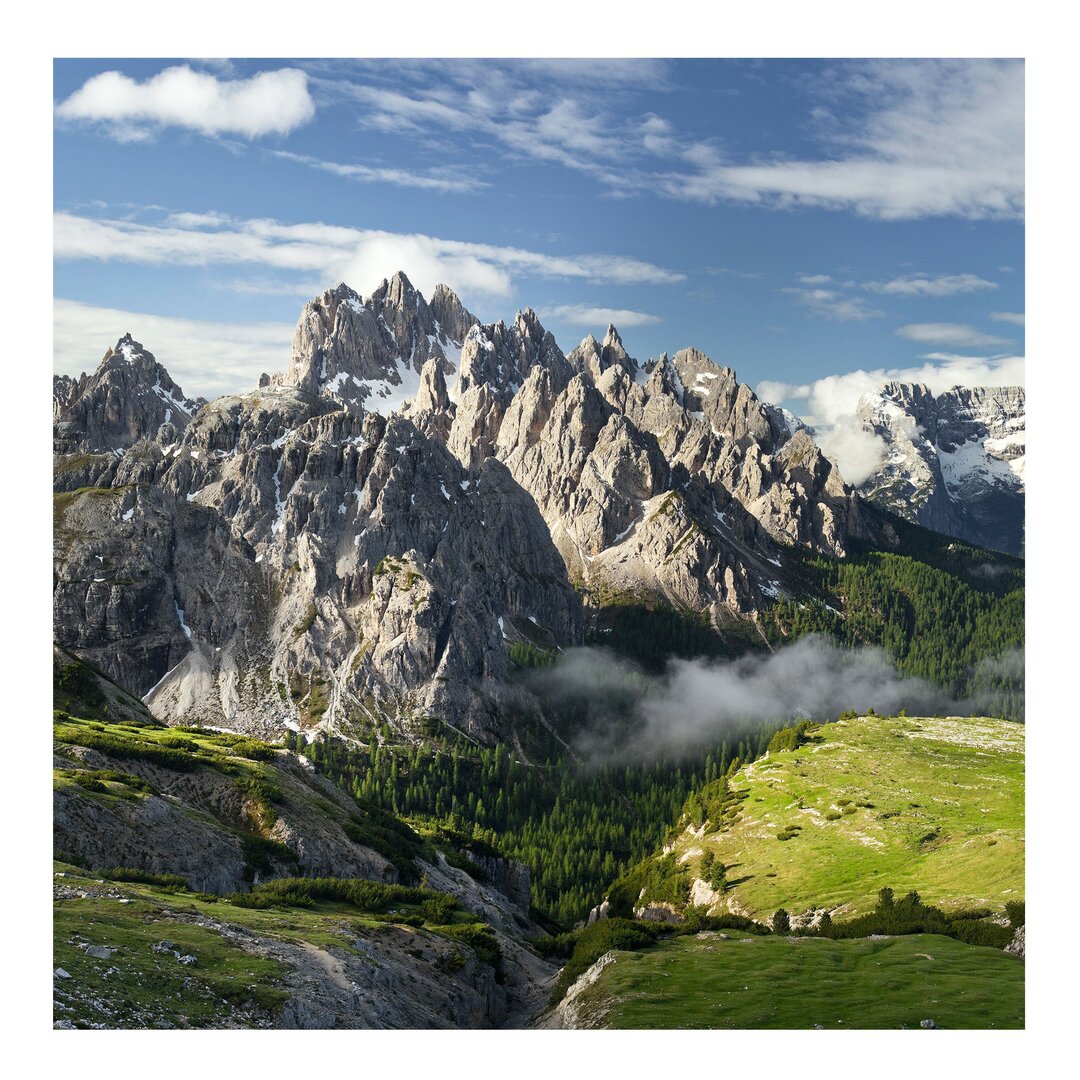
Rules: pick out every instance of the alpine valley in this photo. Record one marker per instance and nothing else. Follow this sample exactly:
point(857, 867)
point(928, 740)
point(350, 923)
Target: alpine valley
point(439, 681)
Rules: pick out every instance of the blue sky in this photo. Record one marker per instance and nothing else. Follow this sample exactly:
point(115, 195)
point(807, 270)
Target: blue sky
point(816, 225)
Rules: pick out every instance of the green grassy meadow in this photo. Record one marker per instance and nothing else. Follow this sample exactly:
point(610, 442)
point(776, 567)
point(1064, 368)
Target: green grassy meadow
point(709, 981)
point(934, 805)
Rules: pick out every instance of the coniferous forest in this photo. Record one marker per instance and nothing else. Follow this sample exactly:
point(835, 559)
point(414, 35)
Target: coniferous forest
point(577, 827)
point(580, 825)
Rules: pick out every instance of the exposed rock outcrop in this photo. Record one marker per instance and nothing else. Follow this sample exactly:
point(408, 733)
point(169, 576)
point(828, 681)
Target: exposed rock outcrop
point(365, 535)
point(129, 397)
point(953, 462)
point(368, 354)
point(1016, 946)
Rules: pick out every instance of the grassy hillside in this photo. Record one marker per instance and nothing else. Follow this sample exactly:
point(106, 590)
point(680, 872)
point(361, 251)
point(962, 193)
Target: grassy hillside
point(934, 805)
point(181, 959)
point(738, 981)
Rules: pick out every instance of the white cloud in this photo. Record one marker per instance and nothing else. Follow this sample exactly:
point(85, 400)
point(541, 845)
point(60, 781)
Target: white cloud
point(467, 268)
point(269, 103)
point(830, 304)
point(908, 139)
point(897, 138)
point(830, 405)
point(1014, 317)
point(925, 285)
point(552, 111)
point(188, 220)
point(361, 257)
point(270, 286)
point(205, 358)
point(775, 391)
point(444, 180)
point(583, 315)
point(958, 335)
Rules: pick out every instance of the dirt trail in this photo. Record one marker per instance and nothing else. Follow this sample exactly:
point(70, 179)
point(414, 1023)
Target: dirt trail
point(334, 969)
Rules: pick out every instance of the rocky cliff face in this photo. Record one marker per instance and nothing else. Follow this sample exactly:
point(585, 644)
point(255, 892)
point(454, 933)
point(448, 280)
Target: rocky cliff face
point(674, 481)
point(367, 355)
point(223, 819)
point(365, 535)
point(130, 397)
point(954, 461)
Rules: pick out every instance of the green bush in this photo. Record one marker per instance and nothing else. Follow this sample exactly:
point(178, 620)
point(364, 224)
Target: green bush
point(240, 745)
point(450, 963)
point(663, 881)
point(178, 742)
point(388, 835)
point(77, 680)
point(478, 936)
point(526, 655)
point(262, 792)
point(438, 908)
point(169, 882)
point(88, 782)
point(910, 915)
point(980, 932)
point(263, 856)
point(791, 738)
point(1014, 910)
point(131, 747)
point(366, 896)
point(697, 921)
point(590, 943)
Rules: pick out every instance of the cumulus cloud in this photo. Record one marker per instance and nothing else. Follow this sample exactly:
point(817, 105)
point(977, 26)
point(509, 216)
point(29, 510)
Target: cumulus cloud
point(1014, 317)
point(583, 315)
point(926, 285)
point(958, 335)
point(269, 103)
point(205, 358)
point(830, 405)
point(698, 702)
point(361, 257)
point(775, 391)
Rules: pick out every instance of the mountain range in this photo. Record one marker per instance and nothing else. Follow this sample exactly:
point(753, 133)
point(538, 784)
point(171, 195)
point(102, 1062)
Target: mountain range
point(954, 462)
point(370, 534)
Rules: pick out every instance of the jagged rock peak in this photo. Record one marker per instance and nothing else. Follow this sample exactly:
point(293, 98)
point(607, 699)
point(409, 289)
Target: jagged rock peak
point(129, 396)
point(397, 291)
point(432, 410)
point(451, 314)
point(593, 358)
point(953, 462)
point(367, 355)
point(502, 356)
point(432, 395)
